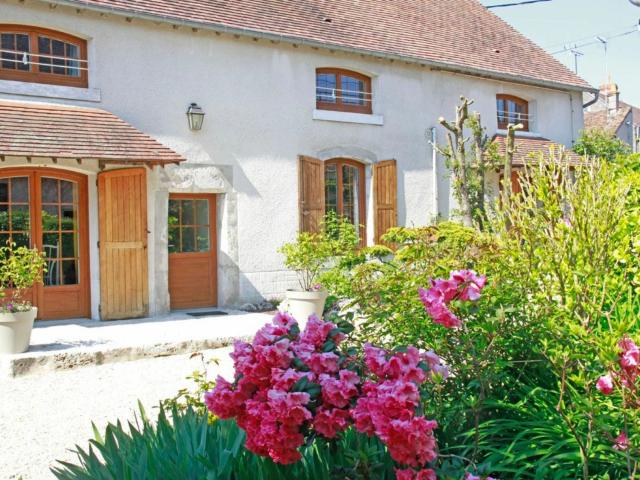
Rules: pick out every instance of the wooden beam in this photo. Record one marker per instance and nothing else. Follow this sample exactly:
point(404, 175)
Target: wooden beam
point(28, 159)
point(54, 159)
point(79, 160)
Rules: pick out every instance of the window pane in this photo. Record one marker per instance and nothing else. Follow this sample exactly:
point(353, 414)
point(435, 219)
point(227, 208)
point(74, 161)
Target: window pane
point(203, 239)
point(187, 212)
point(325, 87)
point(19, 190)
point(202, 212)
point(174, 240)
point(4, 219)
point(57, 49)
point(69, 220)
point(52, 275)
point(21, 239)
point(352, 91)
point(4, 190)
point(331, 188)
point(188, 239)
point(69, 272)
point(50, 218)
point(44, 47)
point(20, 218)
point(68, 192)
point(51, 245)
point(69, 245)
point(49, 190)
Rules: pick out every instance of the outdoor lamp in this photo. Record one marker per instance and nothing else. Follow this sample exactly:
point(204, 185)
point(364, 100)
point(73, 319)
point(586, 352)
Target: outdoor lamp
point(635, 2)
point(195, 115)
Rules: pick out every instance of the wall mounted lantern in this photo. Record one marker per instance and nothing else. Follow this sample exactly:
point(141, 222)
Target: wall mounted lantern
point(635, 2)
point(195, 115)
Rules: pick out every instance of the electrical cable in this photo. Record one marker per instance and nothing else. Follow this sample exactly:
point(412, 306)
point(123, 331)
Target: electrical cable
point(515, 4)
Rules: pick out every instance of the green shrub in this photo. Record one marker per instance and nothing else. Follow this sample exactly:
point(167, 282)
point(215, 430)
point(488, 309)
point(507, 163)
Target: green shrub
point(182, 445)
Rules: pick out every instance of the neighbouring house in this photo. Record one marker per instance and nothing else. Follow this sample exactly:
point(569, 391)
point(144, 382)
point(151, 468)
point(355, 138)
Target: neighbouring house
point(611, 114)
point(309, 107)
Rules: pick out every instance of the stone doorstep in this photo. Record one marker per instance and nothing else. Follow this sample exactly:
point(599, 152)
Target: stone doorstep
point(28, 363)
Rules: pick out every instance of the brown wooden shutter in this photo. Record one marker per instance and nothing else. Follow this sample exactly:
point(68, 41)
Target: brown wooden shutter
point(122, 197)
point(311, 193)
point(385, 194)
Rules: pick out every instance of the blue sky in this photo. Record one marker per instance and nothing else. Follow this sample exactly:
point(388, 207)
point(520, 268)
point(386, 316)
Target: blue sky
point(558, 22)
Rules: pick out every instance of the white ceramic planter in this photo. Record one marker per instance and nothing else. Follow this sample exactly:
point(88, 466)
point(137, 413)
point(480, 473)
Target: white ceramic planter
point(15, 330)
point(301, 305)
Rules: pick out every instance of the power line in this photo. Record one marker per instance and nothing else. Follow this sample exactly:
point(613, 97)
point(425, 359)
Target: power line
point(515, 4)
point(597, 40)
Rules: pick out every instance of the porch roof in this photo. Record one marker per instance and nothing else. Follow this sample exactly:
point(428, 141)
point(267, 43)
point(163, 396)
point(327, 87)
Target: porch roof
point(527, 148)
point(60, 131)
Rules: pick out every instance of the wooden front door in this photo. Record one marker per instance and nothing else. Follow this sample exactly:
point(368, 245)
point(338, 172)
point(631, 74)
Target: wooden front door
point(122, 202)
point(46, 208)
point(192, 251)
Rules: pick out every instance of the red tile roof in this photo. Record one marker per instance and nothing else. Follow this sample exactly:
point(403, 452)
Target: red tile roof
point(456, 35)
point(59, 131)
point(605, 120)
point(528, 148)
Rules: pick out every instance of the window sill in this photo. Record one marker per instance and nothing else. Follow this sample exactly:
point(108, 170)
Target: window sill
point(50, 91)
point(520, 133)
point(348, 117)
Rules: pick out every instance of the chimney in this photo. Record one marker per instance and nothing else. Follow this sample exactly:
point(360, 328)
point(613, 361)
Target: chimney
point(610, 94)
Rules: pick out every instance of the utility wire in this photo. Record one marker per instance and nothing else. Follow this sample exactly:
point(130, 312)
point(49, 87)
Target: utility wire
point(595, 41)
point(515, 4)
point(588, 37)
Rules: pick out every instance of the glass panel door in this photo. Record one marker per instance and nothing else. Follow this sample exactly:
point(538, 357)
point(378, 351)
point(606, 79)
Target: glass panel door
point(60, 231)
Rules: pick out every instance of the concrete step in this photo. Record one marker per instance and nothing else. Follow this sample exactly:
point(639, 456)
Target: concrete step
point(64, 345)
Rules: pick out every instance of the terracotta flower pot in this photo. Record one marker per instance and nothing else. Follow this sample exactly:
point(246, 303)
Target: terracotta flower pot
point(15, 330)
point(301, 305)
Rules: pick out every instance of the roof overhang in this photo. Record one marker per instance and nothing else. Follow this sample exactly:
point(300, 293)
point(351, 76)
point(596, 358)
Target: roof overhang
point(221, 28)
point(528, 148)
point(52, 131)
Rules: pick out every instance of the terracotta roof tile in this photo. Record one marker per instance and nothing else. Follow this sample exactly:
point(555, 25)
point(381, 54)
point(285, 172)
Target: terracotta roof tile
point(459, 35)
point(59, 131)
point(527, 148)
point(604, 120)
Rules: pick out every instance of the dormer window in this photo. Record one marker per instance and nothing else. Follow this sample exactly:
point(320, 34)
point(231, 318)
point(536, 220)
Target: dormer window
point(32, 54)
point(512, 110)
point(343, 90)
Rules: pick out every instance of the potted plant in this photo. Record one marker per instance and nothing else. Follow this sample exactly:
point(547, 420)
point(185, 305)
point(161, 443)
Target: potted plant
point(20, 269)
point(307, 256)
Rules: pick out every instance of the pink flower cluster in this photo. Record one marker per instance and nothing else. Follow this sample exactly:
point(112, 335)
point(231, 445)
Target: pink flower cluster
point(470, 476)
point(627, 374)
point(624, 377)
point(464, 285)
point(290, 385)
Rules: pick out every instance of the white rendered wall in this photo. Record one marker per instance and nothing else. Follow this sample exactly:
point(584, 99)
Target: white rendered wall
point(259, 99)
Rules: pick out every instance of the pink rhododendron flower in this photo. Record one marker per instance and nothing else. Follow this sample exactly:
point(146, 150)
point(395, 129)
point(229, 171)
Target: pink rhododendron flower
point(630, 355)
point(605, 384)
point(331, 421)
point(288, 386)
point(621, 442)
point(469, 476)
point(464, 285)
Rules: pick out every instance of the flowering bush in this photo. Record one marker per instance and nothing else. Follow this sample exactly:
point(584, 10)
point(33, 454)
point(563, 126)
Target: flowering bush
point(292, 386)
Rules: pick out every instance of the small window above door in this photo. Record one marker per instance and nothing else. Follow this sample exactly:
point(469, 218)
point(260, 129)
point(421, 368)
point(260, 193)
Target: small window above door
point(39, 55)
point(343, 91)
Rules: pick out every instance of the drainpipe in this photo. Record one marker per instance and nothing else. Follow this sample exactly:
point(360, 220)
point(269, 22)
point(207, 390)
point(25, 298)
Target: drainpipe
point(434, 165)
point(573, 137)
point(591, 102)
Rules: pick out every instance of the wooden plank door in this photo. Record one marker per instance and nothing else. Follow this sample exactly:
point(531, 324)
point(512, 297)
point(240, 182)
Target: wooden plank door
point(192, 251)
point(385, 194)
point(311, 193)
point(122, 198)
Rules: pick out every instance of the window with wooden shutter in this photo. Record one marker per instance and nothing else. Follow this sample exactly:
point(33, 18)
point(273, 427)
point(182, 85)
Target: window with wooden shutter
point(385, 192)
point(311, 193)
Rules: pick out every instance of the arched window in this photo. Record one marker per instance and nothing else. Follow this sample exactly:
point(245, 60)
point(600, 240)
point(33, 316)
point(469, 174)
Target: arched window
point(344, 191)
point(32, 54)
point(342, 90)
point(512, 110)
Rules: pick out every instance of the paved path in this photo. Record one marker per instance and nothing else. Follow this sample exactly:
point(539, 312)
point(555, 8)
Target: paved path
point(44, 415)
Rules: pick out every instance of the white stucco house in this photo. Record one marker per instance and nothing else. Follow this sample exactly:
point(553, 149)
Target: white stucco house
point(309, 106)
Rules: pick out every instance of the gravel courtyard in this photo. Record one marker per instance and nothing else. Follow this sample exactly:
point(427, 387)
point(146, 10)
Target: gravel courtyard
point(43, 416)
